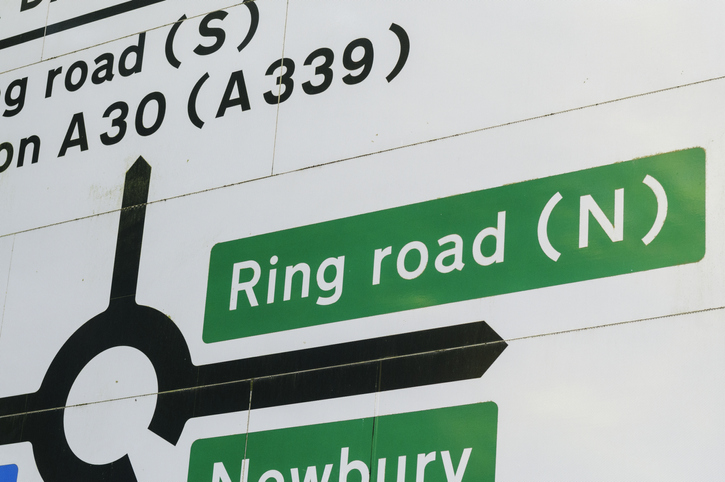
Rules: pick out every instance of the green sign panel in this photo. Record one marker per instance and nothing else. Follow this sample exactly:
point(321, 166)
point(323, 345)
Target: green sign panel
point(456, 444)
point(631, 216)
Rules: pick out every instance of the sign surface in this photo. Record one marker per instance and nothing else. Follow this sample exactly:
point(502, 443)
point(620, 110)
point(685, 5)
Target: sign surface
point(336, 241)
point(463, 247)
point(451, 444)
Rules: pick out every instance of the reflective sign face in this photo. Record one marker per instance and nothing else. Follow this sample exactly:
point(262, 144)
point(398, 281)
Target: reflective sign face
point(316, 242)
point(397, 438)
point(481, 244)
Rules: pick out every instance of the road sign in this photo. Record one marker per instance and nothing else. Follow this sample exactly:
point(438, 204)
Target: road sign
point(403, 445)
point(289, 241)
point(373, 365)
point(463, 247)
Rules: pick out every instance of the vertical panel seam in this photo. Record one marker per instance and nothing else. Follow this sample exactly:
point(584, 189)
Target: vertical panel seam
point(7, 286)
point(279, 91)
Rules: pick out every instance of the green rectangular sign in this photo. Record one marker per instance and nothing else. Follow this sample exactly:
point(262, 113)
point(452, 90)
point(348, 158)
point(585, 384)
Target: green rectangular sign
point(456, 444)
point(631, 216)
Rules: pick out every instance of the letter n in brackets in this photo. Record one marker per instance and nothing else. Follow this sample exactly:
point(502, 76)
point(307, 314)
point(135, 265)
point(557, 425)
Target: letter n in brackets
point(615, 230)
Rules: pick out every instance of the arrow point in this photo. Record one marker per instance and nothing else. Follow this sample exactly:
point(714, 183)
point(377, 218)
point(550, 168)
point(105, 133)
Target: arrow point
point(136, 188)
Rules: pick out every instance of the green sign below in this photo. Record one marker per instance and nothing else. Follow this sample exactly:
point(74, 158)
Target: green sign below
point(631, 216)
point(456, 444)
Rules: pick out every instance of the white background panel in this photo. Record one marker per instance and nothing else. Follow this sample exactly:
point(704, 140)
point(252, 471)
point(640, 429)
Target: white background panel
point(630, 402)
point(6, 253)
point(640, 399)
point(193, 224)
point(233, 148)
point(22, 55)
point(121, 25)
point(355, 120)
point(534, 149)
point(61, 278)
point(13, 22)
point(479, 64)
point(102, 432)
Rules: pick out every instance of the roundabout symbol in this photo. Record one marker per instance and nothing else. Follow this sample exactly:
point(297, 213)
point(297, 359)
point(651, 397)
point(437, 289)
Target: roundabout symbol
point(187, 390)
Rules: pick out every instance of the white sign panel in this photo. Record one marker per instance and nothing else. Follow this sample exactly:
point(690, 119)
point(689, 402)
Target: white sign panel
point(335, 241)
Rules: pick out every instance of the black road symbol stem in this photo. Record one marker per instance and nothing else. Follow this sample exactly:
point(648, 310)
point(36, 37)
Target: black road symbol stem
point(186, 390)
